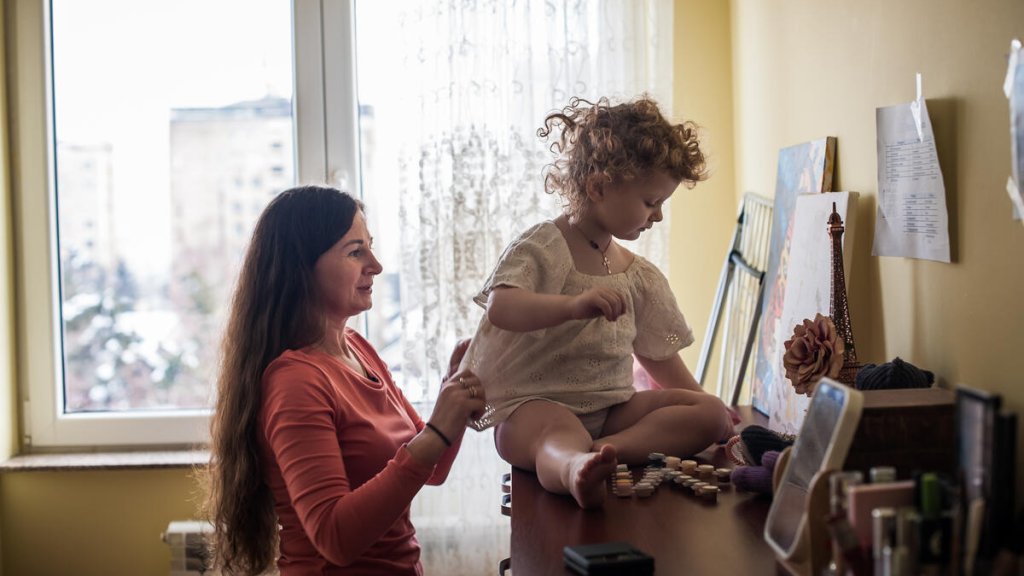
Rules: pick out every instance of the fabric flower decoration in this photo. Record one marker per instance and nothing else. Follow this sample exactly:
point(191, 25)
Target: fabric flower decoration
point(814, 351)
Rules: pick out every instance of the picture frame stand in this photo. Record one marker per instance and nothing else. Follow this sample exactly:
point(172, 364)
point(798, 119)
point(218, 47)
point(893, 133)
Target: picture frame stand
point(814, 552)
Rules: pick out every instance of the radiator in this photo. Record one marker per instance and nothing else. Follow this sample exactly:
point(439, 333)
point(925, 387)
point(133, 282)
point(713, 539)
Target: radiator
point(189, 554)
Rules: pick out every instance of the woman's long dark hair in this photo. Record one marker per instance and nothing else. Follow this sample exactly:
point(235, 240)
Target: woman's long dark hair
point(274, 309)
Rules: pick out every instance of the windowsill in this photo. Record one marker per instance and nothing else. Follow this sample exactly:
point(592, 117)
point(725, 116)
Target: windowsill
point(180, 459)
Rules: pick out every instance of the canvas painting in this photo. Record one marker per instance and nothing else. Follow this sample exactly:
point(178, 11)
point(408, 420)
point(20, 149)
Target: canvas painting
point(803, 169)
point(808, 291)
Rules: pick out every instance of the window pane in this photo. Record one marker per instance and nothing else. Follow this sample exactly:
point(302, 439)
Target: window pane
point(173, 129)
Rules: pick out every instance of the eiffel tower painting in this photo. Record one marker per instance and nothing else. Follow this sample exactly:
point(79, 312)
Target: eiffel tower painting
point(839, 308)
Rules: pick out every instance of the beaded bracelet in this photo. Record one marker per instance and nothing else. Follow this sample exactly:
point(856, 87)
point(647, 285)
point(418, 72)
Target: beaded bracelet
point(440, 435)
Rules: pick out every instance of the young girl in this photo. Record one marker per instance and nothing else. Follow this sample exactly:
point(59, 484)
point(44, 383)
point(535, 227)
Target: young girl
point(568, 308)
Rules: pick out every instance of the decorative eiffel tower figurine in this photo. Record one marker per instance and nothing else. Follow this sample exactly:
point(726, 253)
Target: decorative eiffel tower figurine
point(839, 309)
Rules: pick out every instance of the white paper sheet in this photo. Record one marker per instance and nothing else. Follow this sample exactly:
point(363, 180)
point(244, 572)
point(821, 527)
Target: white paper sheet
point(808, 288)
point(1013, 87)
point(1015, 198)
point(912, 219)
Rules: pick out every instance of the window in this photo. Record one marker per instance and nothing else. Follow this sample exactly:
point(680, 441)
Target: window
point(157, 132)
point(150, 135)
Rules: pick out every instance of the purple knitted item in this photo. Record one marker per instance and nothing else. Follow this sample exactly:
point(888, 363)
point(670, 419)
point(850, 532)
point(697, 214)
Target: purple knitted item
point(756, 478)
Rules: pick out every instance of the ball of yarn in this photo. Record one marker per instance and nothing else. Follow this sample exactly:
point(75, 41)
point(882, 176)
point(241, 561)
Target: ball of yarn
point(757, 440)
point(893, 375)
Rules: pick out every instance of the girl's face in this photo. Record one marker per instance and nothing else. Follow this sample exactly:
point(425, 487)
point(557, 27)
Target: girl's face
point(344, 273)
point(628, 208)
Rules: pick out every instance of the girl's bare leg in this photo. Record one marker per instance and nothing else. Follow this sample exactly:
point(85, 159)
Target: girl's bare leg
point(672, 421)
point(551, 440)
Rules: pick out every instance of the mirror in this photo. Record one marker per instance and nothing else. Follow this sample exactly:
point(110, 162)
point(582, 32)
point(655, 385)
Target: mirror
point(822, 444)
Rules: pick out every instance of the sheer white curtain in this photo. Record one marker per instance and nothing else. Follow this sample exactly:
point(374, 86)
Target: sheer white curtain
point(481, 76)
point(473, 80)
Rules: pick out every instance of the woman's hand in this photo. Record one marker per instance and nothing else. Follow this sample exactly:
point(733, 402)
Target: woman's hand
point(461, 399)
point(597, 302)
point(457, 355)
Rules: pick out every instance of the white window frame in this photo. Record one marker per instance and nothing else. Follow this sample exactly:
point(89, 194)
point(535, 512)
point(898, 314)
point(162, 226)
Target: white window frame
point(326, 139)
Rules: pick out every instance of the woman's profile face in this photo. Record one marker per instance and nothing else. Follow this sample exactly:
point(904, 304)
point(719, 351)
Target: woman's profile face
point(344, 273)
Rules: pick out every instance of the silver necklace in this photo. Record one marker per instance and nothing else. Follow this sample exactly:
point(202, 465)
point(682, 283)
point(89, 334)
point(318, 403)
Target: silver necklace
point(603, 253)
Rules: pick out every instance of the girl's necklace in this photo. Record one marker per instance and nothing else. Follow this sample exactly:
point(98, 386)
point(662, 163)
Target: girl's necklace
point(603, 253)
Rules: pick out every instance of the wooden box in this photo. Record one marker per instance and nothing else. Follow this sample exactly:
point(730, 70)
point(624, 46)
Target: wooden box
point(913, 430)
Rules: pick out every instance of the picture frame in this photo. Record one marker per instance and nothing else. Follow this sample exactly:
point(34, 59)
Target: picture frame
point(804, 168)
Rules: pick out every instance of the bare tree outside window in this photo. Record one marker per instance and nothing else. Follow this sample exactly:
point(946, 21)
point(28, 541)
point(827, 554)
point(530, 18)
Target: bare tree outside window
point(161, 175)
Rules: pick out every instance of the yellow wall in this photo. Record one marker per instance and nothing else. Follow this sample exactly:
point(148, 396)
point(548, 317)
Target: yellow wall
point(98, 523)
point(803, 69)
point(8, 390)
point(703, 218)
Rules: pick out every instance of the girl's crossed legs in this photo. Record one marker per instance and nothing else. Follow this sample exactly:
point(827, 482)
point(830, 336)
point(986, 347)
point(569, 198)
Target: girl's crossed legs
point(672, 421)
point(548, 438)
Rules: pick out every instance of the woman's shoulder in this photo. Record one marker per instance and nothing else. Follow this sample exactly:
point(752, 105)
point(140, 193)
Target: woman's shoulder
point(354, 338)
point(296, 383)
point(291, 365)
point(366, 351)
point(293, 357)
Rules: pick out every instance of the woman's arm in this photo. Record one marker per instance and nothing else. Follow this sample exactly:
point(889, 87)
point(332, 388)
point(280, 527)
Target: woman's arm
point(342, 522)
point(461, 398)
point(429, 448)
point(520, 310)
point(447, 458)
point(443, 456)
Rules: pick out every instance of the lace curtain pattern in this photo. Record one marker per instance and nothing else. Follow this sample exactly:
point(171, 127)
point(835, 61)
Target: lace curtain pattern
point(481, 76)
point(473, 81)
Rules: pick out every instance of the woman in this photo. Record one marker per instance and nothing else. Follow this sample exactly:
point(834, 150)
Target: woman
point(310, 432)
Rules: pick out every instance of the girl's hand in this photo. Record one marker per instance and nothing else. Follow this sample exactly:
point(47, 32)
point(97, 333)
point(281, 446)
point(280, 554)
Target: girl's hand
point(732, 417)
point(597, 302)
point(461, 399)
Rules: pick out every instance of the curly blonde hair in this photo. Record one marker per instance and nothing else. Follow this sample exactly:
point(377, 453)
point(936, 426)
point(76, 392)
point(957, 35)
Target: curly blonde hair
point(618, 143)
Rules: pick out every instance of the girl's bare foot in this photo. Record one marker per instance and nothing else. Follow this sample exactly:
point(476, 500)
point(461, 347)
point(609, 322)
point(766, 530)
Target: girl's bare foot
point(588, 476)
